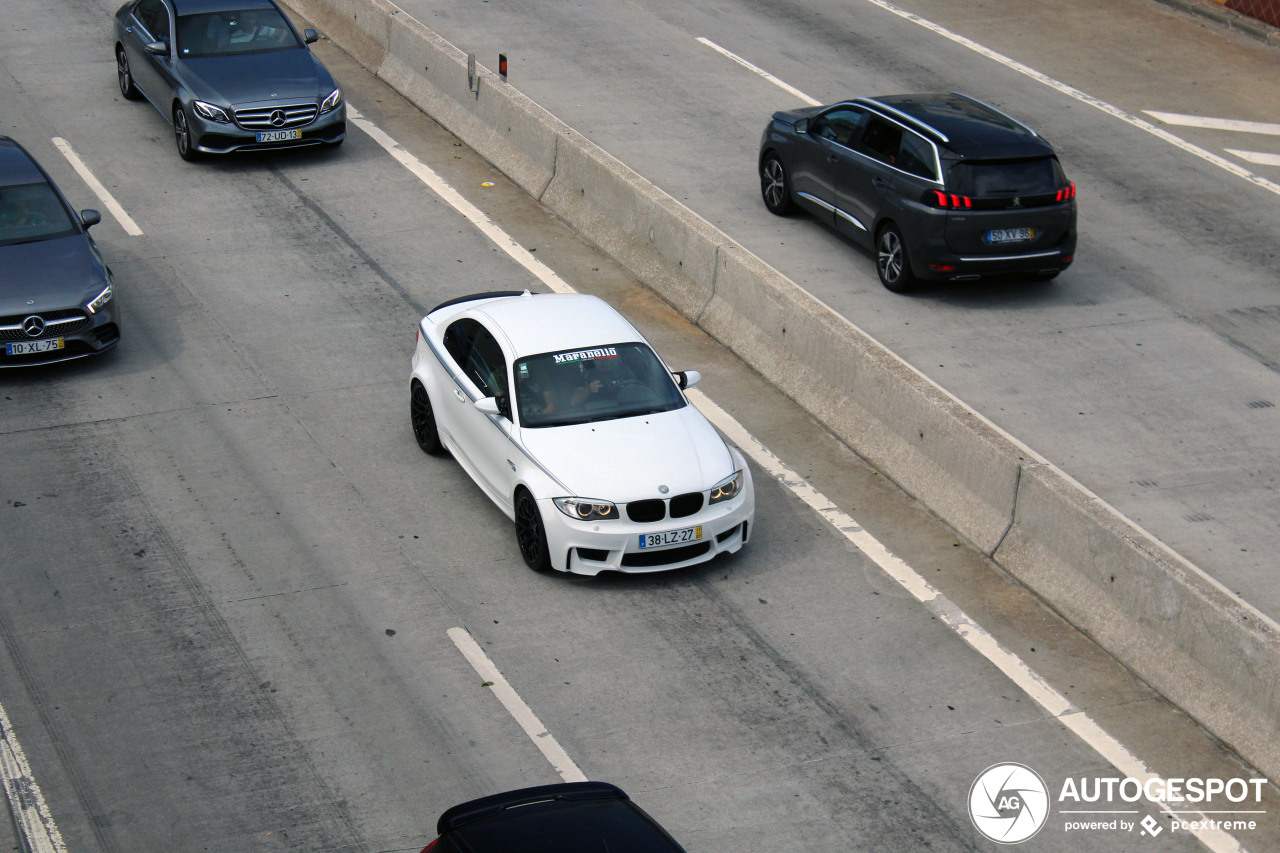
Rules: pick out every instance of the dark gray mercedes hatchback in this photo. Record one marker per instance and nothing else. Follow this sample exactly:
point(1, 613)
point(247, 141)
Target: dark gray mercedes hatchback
point(940, 186)
point(57, 301)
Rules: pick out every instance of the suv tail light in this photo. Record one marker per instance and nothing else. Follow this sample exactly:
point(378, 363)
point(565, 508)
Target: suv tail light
point(937, 198)
point(1066, 193)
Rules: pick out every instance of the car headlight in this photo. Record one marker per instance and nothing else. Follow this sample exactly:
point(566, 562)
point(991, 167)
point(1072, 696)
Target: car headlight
point(586, 509)
point(331, 103)
point(728, 488)
point(211, 112)
point(98, 302)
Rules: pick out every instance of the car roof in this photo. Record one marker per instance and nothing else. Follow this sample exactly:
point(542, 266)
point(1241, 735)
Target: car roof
point(965, 125)
point(574, 817)
point(547, 322)
point(195, 7)
point(16, 165)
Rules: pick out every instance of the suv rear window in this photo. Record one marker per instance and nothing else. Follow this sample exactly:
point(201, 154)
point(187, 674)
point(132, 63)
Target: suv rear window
point(997, 178)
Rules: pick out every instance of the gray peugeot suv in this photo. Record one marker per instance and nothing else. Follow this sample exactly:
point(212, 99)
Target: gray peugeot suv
point(942, 187)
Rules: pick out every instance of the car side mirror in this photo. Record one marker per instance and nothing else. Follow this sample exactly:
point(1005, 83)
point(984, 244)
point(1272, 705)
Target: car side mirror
point(310, 36)
point(687, 378)
point(158, 48)
point(495, 406)
point(89, 218)
point(802, 126)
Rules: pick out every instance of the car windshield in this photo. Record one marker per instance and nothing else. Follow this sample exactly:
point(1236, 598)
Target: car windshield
point(987, 178)
point(31, 212)
point(227, 33)
point(593, 384)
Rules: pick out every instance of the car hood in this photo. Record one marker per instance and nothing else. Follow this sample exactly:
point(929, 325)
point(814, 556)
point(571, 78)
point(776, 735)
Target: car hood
point(282, 75)
point(630, 458)
point(54, 274)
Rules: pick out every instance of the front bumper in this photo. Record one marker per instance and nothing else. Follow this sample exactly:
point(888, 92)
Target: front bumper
point(85, 334)
point(211, 137)
point(588, 548)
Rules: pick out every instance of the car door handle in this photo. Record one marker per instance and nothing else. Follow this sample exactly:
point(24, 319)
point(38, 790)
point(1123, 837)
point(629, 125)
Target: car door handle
point(882, 182)
point(831, 158)
point(462, 398)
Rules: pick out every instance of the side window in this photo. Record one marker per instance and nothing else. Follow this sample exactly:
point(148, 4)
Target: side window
point(477, 352)
point(842, 126)
point(881, 140)
point(155, 17)
point(486, 366)
point(457, 340)
point(917, 157)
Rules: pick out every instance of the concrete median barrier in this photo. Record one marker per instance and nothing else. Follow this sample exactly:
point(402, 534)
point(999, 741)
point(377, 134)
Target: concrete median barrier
point(360, 27)
point(1185, 634)
point(932, 445)
point(1205, 650)
point(515, 134)
point(657, 239)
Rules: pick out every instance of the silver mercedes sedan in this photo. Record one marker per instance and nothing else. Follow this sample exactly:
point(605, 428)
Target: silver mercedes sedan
point(229, 75)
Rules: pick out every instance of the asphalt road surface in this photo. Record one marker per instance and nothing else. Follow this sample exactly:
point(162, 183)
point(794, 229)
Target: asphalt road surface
point(232, 583)
point(1147, 371)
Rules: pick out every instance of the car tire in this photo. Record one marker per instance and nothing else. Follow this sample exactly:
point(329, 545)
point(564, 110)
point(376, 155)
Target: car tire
point(182, 135)
point(892, 263)
point(124, 77)
point(531, 536)
point(775, 185)
point(423, 418)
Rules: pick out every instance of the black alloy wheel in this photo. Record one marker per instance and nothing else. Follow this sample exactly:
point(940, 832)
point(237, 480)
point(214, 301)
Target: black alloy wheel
point(774, 185)
point(531, 536)
point(424, 420)
point(892, 263)
point(182, 135)
point(125, 78)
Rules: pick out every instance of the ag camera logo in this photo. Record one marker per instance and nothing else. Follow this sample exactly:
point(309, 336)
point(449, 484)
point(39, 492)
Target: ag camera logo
point(1008, 803)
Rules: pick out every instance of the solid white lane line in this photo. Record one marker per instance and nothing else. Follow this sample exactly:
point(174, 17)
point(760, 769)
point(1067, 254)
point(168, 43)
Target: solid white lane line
point(1258, 157)
point(755, 69)
point(1070, 91)
point(453, 198)
point(978, 638)
point(516, 706)
point(26, 801)
point(108, 201)
point(1237, 125)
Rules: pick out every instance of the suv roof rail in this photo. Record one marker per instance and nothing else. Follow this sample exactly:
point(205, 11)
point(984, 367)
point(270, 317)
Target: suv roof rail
point(1028, 128)
point(901, 116)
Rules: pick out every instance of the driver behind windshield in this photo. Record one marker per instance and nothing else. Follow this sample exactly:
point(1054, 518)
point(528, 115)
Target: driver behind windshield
point(593, 384)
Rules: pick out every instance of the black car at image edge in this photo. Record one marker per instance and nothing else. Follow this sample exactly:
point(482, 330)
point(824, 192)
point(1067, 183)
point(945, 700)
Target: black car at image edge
point(571, 817)
point(57, 300)
point(940, 186)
